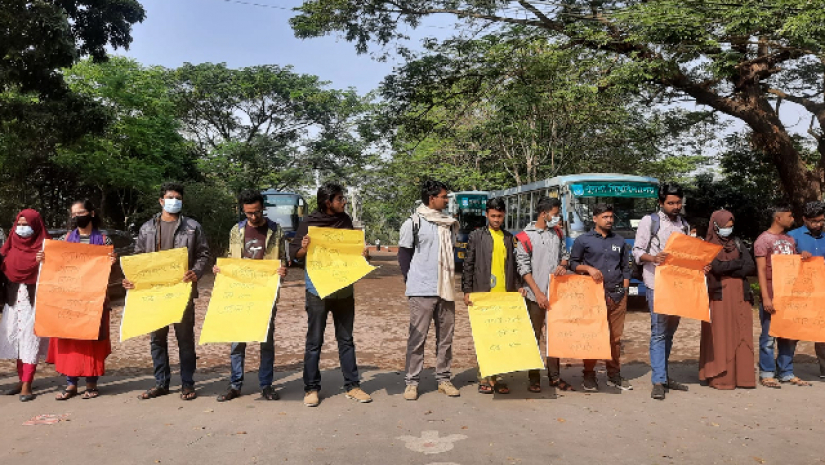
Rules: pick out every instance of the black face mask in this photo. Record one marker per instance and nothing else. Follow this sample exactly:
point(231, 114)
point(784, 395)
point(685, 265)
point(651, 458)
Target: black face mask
point(82, 221)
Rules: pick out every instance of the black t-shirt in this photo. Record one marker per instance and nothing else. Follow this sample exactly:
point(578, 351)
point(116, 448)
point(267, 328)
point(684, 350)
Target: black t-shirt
point(254, 241)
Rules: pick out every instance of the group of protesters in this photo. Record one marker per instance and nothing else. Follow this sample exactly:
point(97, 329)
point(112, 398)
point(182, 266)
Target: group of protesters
point(496, 261)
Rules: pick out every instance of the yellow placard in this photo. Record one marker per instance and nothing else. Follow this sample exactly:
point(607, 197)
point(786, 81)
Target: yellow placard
point(160, 296)
point(502, 333)
point(242, 301)
point(334, 259)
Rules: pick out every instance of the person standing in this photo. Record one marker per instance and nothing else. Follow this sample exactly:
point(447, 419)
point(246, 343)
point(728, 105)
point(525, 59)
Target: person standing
point(427, 262)
point(540, 252)
point(165, 231)
point(651, 236)
point(255, 238)
point(605, 256)
point(809, 238)
point(726, 347)
point(73, 357)
point(773, 371)
point(17, 338)
point(331, 213)
point(490, 266)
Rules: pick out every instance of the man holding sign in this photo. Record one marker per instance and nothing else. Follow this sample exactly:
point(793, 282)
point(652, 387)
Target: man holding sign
point(171, 230)
point(605, 257)
point(255, 238)
point(774, 369)
point(331, 213)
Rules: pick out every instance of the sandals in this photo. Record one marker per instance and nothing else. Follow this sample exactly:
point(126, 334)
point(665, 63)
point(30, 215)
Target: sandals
point(772, 383)
point(484, 387)
point(562, 385)
point(228, 395)
point(154, 392)
point(188, 393)
point(534, 387)
point(90, 393)
point(66, 394)
point(796, 381)
point(501, 388)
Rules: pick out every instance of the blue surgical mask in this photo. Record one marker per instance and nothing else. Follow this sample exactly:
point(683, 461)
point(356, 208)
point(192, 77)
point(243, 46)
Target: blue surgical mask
point(554, 221)
point(24, 231)
point(172, 205)
point(725, 232)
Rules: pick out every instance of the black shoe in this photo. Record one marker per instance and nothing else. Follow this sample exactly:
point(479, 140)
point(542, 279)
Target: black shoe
point(26, 397)
point(676, 386)
point(658, 392)
point(589, 383)
point(229, 395)
point(269, 393)
point(619, 383)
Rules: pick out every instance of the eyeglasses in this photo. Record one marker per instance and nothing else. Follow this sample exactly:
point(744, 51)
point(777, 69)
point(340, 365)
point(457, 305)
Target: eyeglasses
point(252, 214)
point(821, 222)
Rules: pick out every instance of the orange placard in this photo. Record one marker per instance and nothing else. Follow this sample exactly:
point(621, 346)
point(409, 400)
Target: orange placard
point(577, 319)
point(71, 290)
point(798, 298)
point(680, 287)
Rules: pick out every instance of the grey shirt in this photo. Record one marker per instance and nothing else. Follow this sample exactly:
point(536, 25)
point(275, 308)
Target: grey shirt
point(548, 252)
point(422, 280)
point(167, 234)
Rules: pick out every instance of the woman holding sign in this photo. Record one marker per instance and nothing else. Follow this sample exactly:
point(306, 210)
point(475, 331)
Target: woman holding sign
point(17, 338)
point(72, 357)
point(726, 349)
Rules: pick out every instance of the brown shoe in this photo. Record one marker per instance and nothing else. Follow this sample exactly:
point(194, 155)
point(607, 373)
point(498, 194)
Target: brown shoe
point(311, 399)
point(447, 388)
point(358, 394)
point(411, 393)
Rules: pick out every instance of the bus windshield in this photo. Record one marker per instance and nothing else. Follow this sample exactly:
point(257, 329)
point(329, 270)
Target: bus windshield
point(628, 211)
point(284, 210)
point(470, 221)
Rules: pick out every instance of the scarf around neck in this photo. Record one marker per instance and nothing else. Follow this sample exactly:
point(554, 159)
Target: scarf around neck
point(447, 230)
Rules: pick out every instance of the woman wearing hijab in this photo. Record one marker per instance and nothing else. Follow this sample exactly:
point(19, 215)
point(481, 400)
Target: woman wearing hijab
point(71, 357)
point(17, 339)
point(726, 358)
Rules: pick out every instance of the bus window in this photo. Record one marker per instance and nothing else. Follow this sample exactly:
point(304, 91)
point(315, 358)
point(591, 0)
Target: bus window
point(512, 212)
point(524, 210)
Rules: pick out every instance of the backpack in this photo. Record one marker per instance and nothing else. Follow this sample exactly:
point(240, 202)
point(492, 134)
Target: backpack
point(636, 269)
point(524, 238)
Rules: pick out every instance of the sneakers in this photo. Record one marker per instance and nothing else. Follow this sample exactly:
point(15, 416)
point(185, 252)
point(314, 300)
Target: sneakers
point(358, 394)
point(676, 386)
point(589, 383)
point(447, 388)
point(411, 393)
point(658, 392)
point(311, 399)
point(619, 383)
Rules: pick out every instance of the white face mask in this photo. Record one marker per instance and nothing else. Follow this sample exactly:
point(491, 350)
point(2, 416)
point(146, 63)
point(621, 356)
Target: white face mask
point(553, 222)
point(172, 205)
point(24, 231)
point(725, 232)
point(692, 234)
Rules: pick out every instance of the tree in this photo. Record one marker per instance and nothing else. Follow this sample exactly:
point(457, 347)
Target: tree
point(267, 126)
point(739, 58)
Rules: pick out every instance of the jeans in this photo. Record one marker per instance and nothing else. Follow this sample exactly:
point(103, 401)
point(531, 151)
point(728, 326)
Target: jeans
point(785, 347)
point(185, 334)
point(343, 317)
point(662, 329)
point(73, 380)
point(266, 368)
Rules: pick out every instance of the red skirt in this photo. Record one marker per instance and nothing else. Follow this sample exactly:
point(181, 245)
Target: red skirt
point(73, 357)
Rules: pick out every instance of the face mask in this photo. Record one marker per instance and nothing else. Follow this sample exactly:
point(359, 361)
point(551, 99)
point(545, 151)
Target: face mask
point(725, 232)
point(172, 205)
point(692, 234)
point(82, 221)
point(24, 231)
point(553, 222)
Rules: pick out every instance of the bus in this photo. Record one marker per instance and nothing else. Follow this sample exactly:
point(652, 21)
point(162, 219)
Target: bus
point(285, 208)
point(470, 209)
point(632, 197)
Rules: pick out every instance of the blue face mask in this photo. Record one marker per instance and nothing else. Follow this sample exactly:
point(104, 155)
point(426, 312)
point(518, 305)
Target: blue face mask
point(24, 231)
point(725, 232)
point(172, 205)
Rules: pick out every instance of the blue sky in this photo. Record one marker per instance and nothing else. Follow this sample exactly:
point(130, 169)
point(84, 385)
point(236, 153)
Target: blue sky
point(197, 31)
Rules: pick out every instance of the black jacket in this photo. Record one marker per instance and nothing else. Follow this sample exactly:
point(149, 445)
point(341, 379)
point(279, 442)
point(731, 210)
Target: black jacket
point(741, 268)
point(479, 260)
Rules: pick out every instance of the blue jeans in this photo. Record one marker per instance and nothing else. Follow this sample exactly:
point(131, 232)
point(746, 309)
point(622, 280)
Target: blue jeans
point(662, 329)
point(785, 347)
point(185, 333)
point(266, 369)
point(72, 380)
point(343, 317)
